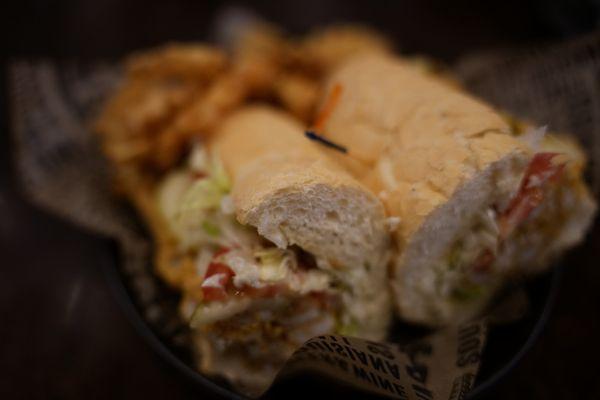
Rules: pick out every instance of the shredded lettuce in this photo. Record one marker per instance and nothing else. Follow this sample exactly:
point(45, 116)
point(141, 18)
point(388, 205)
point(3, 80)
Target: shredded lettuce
point(208, 192)
point(273, 264)
point(347, 329)
point(454, 275)
point(199, 207)
point(219, 176)
point(170, 192)
point(467, 292)
point(201, 196)
point(270, 256)
point(455, 256)
point(211, 229)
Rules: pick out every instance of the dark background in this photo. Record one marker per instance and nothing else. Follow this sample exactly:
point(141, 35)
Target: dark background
point(62, 333)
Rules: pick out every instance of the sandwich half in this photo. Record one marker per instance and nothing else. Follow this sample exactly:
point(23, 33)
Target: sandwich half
point(283, 245)
point(476, 199)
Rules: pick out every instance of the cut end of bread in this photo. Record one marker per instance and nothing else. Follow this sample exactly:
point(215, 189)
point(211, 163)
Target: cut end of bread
point(421, 283)
point(416, 282)
point(342, 226)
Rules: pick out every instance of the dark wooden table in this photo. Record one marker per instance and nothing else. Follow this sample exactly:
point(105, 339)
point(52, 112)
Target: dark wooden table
point(62, 332)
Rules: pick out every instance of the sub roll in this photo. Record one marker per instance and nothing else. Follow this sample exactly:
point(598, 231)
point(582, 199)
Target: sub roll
point(476, 199)
point(286, 246)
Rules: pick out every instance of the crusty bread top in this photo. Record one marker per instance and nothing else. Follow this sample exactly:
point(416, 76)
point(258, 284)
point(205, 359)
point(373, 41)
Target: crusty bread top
point(285, 186)
point(258, 143)
point(257, 133)
point(417, 137)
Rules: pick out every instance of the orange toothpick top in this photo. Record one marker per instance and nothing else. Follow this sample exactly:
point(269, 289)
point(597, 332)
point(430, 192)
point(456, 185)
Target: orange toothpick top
point(328, 107)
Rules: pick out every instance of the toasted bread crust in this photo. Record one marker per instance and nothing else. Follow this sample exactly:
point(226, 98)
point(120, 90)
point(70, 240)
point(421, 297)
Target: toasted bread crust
point(264, 152)
point(417, 137)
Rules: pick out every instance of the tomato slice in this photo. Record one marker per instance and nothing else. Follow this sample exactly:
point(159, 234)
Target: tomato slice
point(540, 170)
point(215, 268)
point(199, 175)
point(211, 293)
point(219, 291)
point(223, 287)
point(484, 261)
point(220, 252)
